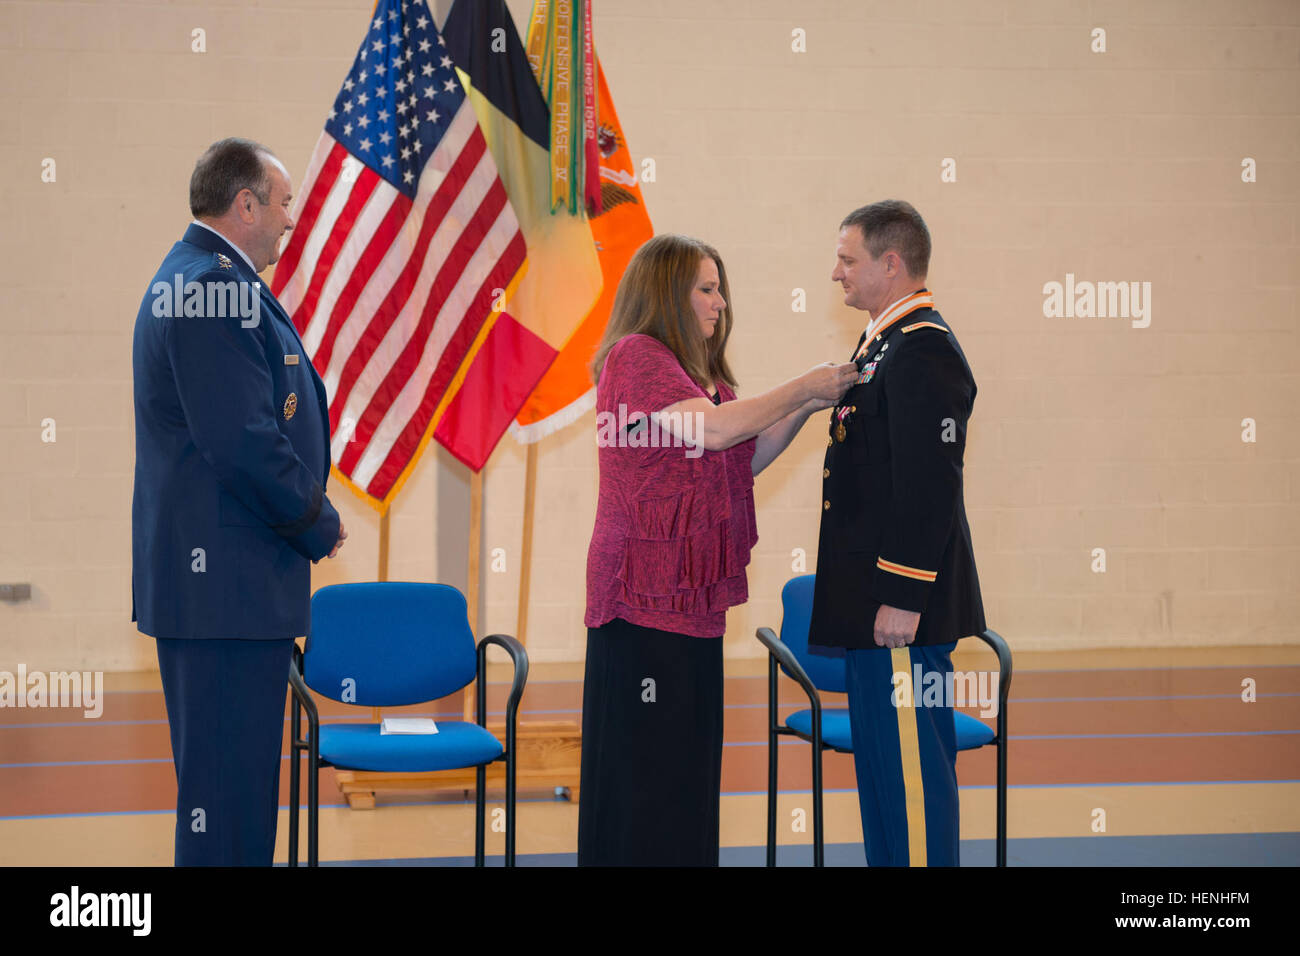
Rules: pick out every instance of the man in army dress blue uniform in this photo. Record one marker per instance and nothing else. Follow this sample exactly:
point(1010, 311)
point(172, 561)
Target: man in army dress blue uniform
point(896, 584)
point(229, 510)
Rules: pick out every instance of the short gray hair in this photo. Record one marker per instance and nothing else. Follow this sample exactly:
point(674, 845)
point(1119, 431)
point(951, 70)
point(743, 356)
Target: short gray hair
point(225, 169)
point(894, 224)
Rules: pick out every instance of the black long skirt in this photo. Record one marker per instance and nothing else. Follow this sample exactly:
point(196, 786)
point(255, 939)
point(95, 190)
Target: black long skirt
point(651, 748)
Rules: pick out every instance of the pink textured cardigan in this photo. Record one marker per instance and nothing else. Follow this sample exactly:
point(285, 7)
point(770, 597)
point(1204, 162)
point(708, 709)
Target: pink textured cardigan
point(673, 532)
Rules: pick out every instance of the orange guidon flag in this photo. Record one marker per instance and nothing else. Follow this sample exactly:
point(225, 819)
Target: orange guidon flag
point(565, 392)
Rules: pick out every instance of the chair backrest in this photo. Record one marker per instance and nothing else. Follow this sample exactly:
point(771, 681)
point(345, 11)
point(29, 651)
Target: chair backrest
point(388, 643)
point(826, 673)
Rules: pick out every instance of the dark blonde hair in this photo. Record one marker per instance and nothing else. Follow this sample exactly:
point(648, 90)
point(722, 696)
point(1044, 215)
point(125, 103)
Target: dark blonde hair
point(654, 298)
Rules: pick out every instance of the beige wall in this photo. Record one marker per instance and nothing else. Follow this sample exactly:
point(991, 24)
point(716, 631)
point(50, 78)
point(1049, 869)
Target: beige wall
point(1088, 433)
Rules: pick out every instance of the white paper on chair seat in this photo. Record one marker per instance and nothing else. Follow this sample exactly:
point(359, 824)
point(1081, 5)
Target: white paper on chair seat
point(408, 725)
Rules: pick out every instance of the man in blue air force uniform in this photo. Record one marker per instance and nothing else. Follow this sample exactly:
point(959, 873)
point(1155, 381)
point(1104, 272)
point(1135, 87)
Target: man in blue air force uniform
point(896, 584)
point(229, 511)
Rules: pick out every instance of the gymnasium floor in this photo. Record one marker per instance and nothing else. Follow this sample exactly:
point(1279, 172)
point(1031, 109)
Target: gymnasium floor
point(1184, 770)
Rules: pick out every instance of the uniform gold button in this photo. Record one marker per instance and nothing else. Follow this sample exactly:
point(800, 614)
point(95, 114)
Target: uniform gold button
point(826, 506)
point(826, 472)
point(829, 442)
point(854, 408)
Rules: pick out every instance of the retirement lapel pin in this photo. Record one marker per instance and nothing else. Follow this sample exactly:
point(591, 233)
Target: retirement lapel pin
point(290, 406)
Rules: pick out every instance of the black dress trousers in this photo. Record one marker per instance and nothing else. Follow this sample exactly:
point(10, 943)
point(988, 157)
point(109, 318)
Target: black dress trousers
point(651, 748)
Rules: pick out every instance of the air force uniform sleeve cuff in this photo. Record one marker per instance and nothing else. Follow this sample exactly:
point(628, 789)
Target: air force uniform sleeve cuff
point(316, 532)
point(902, 586)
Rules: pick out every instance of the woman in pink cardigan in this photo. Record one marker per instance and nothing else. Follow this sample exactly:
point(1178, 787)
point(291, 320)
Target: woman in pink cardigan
point(674, 529)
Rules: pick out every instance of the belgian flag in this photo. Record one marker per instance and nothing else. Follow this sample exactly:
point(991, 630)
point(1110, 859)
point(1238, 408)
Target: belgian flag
point(563, 280)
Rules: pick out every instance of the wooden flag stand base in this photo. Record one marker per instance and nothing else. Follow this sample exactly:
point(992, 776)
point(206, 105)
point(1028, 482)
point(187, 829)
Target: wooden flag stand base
point(549, 751)
point(550, 757)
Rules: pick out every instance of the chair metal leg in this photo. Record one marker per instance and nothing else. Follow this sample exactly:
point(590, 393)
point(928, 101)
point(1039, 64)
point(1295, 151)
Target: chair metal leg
point(294, 775)
point(819, 847)
point(995, 641)
point(313, 797)
point(510, 808)
point(480, 812)
point(772, 742)
point(780, 654)
point(1002, 801)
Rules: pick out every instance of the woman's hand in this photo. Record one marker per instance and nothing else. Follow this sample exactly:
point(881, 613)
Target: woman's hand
point(828, 382)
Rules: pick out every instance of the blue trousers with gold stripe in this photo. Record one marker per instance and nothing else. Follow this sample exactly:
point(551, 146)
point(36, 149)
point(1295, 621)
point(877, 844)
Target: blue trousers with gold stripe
point(905, 757)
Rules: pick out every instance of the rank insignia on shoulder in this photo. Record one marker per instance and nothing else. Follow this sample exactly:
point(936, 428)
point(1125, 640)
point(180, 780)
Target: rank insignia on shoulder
point(923, 325)
point(290, 406)
point(868, 372)
point(223, 260)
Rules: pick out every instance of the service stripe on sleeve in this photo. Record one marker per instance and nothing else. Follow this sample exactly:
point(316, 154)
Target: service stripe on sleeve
point(902, 569)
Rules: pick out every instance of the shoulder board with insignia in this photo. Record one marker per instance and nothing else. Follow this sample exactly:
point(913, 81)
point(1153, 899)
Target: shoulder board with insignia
point(923, 325)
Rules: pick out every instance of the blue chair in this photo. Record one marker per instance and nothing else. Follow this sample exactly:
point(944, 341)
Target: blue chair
point(828, 729)
point(390, 644)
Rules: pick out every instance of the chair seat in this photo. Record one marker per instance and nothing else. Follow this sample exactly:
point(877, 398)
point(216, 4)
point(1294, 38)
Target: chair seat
point(836, 733)
point(971, 731)
point(362, 747)
point(835, 726)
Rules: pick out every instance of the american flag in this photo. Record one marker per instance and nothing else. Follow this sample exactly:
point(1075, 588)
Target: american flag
point(404, 241)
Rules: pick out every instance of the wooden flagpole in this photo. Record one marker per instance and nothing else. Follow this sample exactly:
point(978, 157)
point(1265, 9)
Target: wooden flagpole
point(383, 574)
point(526, 554)
point(354, 785)
point(472, 582)
point(552, 751)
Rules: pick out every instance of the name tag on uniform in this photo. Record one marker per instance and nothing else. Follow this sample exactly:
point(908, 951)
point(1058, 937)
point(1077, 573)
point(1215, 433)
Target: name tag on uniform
point(291, 360)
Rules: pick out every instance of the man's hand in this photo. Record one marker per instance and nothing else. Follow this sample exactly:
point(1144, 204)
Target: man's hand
point(338, 544)
point(896, 627)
